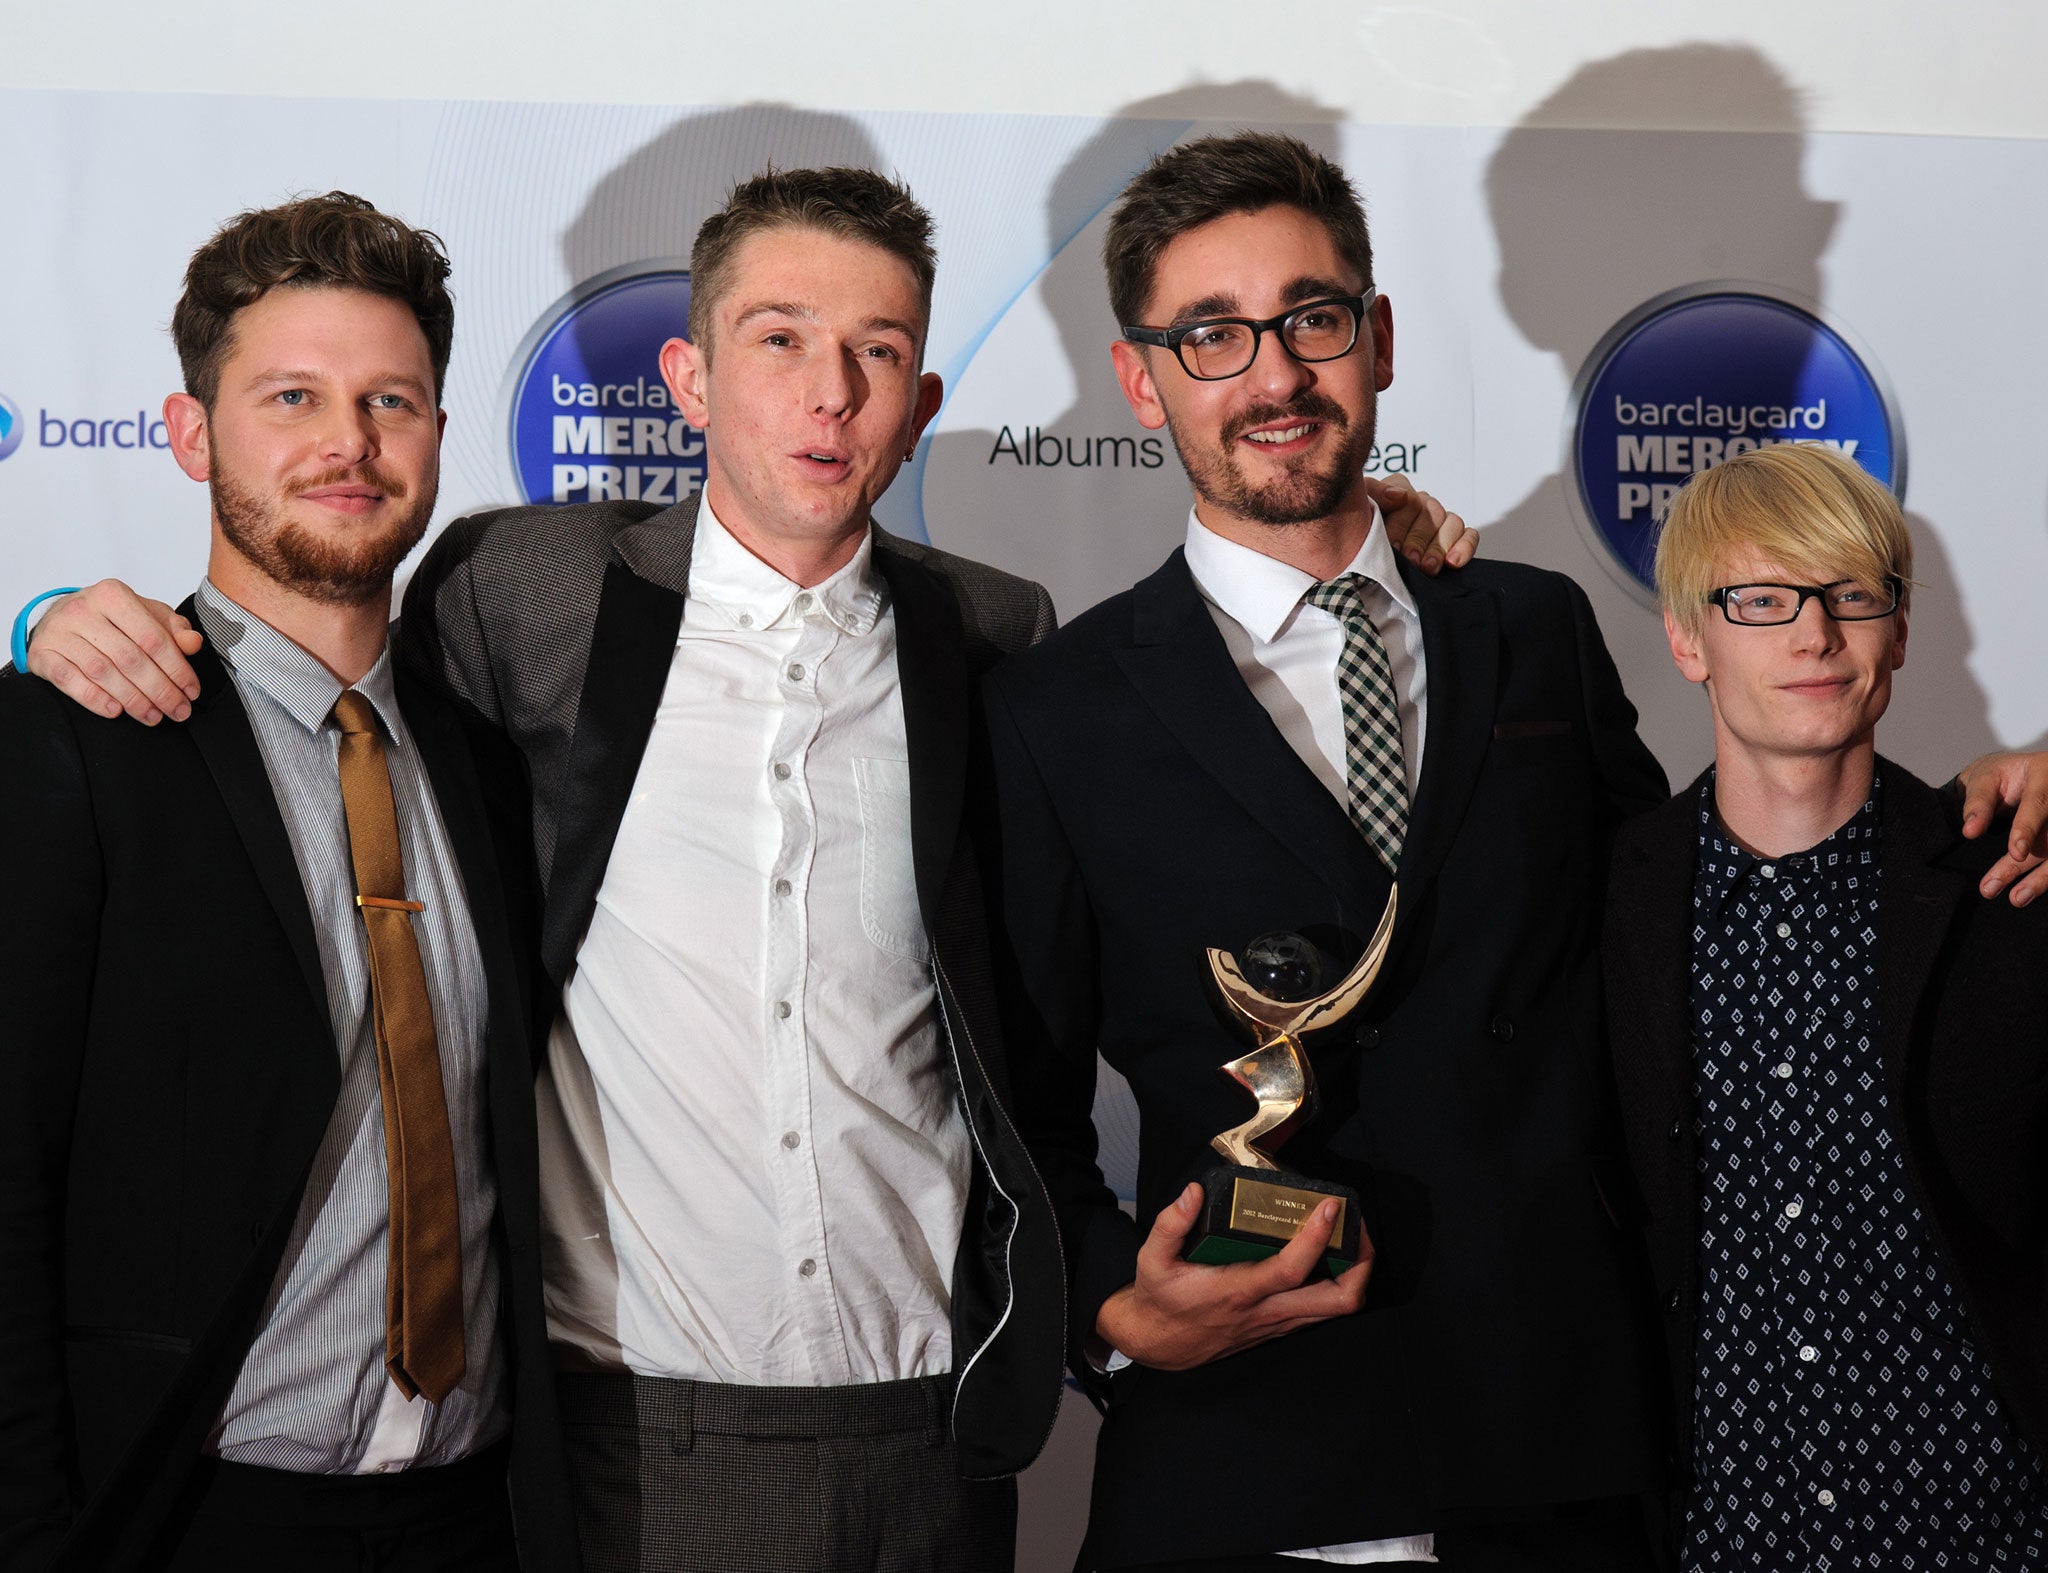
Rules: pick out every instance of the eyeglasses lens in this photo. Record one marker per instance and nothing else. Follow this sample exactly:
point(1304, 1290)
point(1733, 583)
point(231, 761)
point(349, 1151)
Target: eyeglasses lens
point(1851, 601)
point(1223, 349)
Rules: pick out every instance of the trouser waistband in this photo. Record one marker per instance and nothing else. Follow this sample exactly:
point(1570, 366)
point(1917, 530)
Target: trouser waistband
point(723, 1408)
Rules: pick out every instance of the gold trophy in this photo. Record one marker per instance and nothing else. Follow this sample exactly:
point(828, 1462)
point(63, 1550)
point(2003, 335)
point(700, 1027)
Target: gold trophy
point(1253, 1207)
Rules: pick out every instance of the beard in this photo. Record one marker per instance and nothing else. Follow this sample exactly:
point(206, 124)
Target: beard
point(1306, 490)
point(351, 569)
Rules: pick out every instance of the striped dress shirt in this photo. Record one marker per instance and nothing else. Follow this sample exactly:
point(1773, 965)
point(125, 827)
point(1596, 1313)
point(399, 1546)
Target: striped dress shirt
point(313, 1395)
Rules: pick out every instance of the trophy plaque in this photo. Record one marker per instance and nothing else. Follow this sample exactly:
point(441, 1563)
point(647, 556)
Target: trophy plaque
point(1251, 1207)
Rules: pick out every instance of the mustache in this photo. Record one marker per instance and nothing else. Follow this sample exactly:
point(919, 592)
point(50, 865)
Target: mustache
point(1308, 405)
point(366, 474)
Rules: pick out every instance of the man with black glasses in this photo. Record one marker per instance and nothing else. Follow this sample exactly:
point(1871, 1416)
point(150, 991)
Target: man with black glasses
point(1832, 1060)
point(1291, 723)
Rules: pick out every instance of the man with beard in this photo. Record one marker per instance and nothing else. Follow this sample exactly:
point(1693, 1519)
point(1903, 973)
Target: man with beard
point(1268, 735)
point(268, 1216)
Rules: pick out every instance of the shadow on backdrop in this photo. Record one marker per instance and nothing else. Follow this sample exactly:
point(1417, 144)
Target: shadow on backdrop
point(650, 205)
point(1595, 215)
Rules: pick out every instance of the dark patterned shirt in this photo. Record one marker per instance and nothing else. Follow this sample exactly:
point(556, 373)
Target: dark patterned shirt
point(1844, 1415)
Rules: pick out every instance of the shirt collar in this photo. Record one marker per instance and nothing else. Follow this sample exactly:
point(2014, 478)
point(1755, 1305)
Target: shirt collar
point(1261, 594)
point(1839, 859)
point(737, 589)
point(273, 664)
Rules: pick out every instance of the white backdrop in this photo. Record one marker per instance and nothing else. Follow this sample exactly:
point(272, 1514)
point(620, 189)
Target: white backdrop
point(1507, 251)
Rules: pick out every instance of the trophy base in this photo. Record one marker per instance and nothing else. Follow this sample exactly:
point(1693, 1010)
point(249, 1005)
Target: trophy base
point(1248, 1214)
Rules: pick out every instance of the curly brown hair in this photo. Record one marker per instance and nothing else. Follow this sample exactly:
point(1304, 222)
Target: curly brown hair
point(338, 241)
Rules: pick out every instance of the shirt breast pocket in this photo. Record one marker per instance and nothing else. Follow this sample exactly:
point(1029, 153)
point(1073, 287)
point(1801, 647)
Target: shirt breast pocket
point(889, 913)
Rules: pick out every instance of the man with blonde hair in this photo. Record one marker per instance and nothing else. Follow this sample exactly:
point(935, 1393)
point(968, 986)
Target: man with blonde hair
point(1831, 1060)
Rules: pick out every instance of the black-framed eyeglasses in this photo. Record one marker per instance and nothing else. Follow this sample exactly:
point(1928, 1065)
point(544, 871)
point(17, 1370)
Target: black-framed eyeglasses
point(1846, 601)
point(1219, 347)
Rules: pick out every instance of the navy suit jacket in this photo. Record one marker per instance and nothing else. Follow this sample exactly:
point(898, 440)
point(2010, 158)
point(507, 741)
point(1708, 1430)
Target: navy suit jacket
point(1149, 808)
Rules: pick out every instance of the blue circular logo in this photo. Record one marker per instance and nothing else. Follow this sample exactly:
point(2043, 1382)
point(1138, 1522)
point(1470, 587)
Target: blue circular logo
point(1700, 375)
point(587, 414)
point(11, 427)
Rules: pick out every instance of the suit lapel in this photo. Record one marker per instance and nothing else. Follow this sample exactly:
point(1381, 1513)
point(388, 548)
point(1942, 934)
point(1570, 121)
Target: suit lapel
point(931, 664)
point(1918, 905)
point(1461, 648)
point(219, 728)
point(631, 647)
point(1182, 669)
point(1649, 931)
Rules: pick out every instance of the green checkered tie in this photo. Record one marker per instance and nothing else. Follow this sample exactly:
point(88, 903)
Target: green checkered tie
point(1373, 768)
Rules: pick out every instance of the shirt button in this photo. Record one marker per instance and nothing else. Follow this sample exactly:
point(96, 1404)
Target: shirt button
point(1793, 1209)
point(782, 887)
point(796, 671)
point(1503, 1029)
point(1782, 1072)
point(1784, 931)
point(746, 619)
point(1808, 1353)
point(807, 1267)
point(781, 772)
point(803, 602)
point(1825, 1498)
point(1769, 871)
point(782, 1009)
point(791, 1140)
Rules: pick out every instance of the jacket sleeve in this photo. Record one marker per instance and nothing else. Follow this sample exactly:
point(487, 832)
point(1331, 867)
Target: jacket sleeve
point(440, 636)
point(1631, 780)
point(1046, 968)
point(1043, 619)
point(49, 935)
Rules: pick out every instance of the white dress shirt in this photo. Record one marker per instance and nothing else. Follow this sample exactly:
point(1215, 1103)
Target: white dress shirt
point(755, 1170)
point(1287, 653)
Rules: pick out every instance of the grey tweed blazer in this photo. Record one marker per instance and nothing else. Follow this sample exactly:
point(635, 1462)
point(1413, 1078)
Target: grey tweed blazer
point(557, 625)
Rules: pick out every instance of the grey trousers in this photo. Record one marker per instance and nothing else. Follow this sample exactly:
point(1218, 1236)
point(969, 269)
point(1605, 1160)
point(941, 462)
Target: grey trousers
point(678, 1477)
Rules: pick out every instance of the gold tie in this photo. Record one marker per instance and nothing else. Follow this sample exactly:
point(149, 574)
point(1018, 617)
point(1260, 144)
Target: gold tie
point(423, 1291)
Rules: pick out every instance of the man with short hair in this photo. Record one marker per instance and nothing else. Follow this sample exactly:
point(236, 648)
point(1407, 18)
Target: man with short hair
point(1295, 723)
point(807, 1310)
point(1831, 1061)
point(268, 1224)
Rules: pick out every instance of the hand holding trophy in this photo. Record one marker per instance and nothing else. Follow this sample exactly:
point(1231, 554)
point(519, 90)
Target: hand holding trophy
point(1252, 1206)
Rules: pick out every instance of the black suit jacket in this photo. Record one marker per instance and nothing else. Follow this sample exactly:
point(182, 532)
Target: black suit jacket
point(558, 625)
point(167, 1071)
point(1962, 987)
point(1150, 808)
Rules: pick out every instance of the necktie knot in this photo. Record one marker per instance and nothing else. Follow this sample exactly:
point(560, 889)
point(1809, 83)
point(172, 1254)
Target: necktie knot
point(1342, 597)
point(354, 714)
